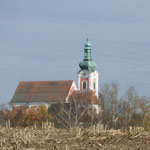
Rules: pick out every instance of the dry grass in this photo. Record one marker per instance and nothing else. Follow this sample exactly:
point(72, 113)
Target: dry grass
point(94, 138)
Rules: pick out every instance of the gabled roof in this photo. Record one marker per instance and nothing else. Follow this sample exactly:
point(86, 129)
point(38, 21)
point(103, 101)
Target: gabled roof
point(85, 96)
point(42, 91)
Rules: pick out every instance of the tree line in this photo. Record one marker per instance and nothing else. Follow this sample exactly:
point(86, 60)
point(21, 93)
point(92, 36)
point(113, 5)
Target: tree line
point(129, 110)
point(116, 112)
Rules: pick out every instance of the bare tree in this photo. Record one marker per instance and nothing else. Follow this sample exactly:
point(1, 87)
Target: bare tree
point(129, 106)
point(144, 112)
point(78, 111)
point(109, 100)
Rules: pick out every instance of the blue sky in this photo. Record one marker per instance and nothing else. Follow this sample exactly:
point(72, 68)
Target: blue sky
point(44, 40)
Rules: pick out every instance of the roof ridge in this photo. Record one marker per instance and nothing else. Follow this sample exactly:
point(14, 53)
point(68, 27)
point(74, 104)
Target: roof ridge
point(39, 92)
point(48, 81)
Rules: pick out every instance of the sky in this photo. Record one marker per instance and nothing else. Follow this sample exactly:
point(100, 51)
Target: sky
point(43, 40)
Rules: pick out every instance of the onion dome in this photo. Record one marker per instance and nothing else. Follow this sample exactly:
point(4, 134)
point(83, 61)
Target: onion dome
point(87, 44)
point(87, 63)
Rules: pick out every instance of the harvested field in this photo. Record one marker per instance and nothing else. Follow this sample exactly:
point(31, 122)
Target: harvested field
point(94, 138)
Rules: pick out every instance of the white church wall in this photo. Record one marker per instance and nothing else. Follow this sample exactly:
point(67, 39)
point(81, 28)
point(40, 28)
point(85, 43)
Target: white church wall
point(34, 104)
point(91, 76)
point(17, 104)
point(73, 88)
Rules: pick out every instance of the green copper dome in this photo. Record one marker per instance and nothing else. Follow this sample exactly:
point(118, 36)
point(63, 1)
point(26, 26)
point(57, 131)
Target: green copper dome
point(87, 63)
point(87, 44)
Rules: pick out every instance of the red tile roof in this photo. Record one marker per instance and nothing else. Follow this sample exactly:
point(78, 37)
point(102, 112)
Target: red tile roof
point(42, 91)
point(85, 96)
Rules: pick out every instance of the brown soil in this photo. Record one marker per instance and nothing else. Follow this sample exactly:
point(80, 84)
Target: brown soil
point(73, 139)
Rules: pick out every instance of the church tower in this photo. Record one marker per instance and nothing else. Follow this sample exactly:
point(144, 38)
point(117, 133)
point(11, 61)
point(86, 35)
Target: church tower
point(88, 75)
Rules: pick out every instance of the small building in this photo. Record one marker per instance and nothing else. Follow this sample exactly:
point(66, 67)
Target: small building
point(88, 98)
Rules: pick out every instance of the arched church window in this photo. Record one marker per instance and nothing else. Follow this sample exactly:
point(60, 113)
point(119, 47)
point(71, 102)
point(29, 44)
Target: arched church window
point(94, 86)
point(84, 85)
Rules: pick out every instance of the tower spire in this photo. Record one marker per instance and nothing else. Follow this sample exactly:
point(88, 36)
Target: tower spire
point(88, 75)
point(87, 63)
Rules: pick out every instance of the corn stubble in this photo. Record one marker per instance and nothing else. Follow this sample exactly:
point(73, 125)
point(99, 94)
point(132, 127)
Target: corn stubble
point(47, 137)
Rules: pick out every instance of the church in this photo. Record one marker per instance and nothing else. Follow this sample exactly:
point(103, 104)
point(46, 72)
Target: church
point(35, 93)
